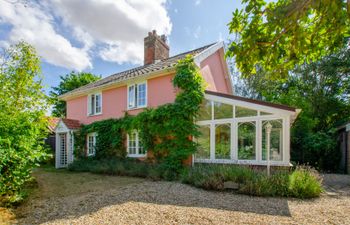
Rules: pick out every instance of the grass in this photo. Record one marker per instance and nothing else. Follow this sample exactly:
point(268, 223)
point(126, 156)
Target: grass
point(303, 182)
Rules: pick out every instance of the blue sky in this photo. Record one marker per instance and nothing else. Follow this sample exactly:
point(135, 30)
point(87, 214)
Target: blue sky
point(106, 36)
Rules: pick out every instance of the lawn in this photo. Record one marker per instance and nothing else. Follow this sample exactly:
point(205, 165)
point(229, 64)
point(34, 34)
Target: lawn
point(64, 197)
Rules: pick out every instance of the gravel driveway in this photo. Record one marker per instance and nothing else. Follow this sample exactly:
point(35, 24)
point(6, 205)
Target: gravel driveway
point(79, 198)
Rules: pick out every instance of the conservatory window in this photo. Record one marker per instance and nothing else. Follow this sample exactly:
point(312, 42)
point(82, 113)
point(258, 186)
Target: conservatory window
point(245, 112)
point(276, 140)
point(203, 151)
point(222, 141)
point(222, 110)
point(247, 141)
point(264, 113)
point(205, 112)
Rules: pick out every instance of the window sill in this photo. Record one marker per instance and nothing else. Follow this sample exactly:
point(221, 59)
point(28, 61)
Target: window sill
point(131, 109)
point(136, 155)
point(97, 114)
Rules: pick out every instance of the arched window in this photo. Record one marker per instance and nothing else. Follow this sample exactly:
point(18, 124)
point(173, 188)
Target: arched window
point(246, 140)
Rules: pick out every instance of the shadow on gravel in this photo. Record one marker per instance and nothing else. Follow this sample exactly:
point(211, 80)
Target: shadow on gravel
point(67, 195)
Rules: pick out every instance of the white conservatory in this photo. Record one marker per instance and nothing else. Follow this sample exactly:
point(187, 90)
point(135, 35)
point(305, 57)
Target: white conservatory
point(238, 130)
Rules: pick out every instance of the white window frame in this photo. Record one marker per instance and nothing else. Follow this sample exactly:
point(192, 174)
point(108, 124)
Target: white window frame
point(137, 143)
point(93, 151)
point(135, 102)
point(276, 114)
point(92, 111)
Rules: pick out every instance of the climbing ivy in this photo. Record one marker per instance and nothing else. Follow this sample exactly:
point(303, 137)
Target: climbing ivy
point(166, 131)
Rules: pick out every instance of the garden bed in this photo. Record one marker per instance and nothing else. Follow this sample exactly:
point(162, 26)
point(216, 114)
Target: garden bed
point(301, 182)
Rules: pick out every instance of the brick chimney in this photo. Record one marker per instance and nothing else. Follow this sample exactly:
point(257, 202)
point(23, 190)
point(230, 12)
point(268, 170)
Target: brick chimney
point(156, 48)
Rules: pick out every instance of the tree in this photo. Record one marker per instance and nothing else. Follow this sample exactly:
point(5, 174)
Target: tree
point(68, 83)
point(23, 123)
point(322, 90)
point(280, 35)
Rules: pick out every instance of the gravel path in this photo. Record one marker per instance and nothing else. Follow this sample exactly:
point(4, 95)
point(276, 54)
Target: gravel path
point(146, 202)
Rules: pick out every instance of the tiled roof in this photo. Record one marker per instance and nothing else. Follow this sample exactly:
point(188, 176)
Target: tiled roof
point(71, 124)
point(139, 71)
point(52, 121)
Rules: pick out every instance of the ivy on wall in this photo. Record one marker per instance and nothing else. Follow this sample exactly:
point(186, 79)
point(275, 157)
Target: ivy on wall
point(166, 131)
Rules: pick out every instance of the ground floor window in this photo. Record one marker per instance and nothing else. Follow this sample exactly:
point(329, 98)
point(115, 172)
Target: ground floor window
point(246, 140)
point(91, 144)
point(135, 147)
point(222, 141)
point(276, 140)
point(239, 130)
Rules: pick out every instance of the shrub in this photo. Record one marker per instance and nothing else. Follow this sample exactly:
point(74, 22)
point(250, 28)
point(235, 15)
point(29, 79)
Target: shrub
point(22, 119)
point(114, 166)
point(300, 183)
point(305, 182)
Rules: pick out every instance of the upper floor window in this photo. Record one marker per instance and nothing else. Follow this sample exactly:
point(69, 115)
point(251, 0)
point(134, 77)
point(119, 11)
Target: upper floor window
point(137, 95)
point(91, 144)
point(94, 104)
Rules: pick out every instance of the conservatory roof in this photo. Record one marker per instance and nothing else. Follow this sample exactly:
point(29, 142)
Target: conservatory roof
point(259, 102)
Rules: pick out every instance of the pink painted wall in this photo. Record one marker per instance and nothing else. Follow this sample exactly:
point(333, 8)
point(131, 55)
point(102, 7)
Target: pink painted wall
point(160, 91)
point(213, 71)
point(114, 101)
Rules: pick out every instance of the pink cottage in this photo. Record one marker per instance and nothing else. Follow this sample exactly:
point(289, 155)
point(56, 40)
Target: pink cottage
point(150, 85)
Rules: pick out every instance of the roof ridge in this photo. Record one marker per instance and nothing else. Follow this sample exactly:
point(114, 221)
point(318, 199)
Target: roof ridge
point(140, 70)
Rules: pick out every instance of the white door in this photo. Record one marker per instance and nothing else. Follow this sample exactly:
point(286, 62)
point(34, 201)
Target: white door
point(63, 149)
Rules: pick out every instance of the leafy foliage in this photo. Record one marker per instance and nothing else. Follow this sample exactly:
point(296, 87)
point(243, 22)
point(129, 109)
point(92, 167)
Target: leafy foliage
point(22, 117)
point(165, 130)
point(278, 35)
point(303, 182)
point(322, 91)
point(68, 83)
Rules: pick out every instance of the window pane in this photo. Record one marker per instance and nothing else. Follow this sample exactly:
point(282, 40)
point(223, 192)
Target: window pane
point(246, 141)
point(98, 103)
point(222, 141)
point(142, 150)
point(141, 95)
point(131, 94)
point(276, 140)
point(203, 151)
point(222, 111)
point(264, 113)
point(205, 111)
point(132, 143)
point(92, 104)
point(244, 112)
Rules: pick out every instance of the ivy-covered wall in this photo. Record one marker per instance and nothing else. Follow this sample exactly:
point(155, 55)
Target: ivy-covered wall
point(167, 130)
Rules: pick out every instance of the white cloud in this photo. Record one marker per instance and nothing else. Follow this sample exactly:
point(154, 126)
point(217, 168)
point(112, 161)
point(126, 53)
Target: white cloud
point(121, 24)
point(87, 25)
point(122, 53)
point(197, 2)
point(31, 24)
